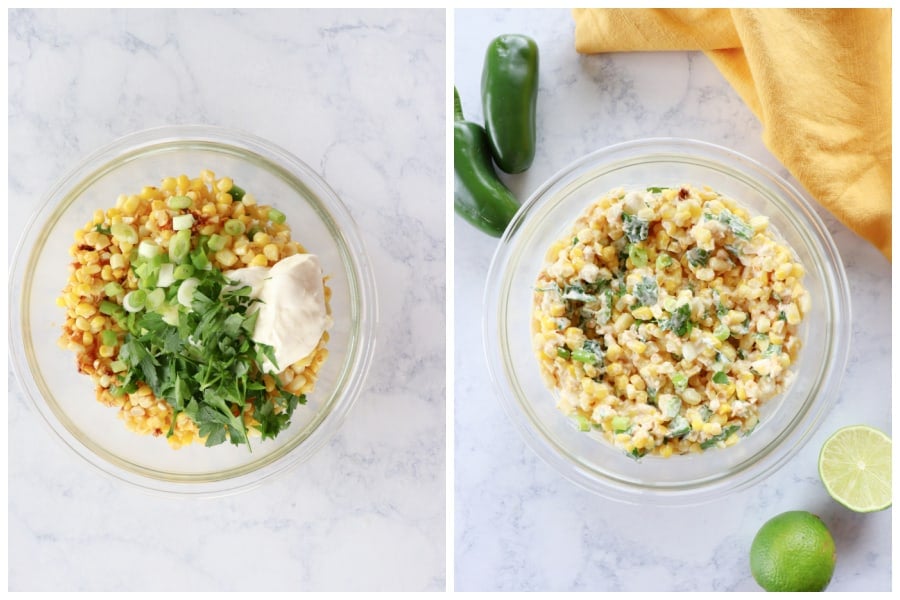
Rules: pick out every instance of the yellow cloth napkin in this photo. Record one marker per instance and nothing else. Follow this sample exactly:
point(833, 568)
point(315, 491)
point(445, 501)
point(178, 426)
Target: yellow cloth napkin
point(819, 80)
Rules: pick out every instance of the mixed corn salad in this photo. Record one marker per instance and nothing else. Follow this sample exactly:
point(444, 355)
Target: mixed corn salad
point(150, 345)
point(665, 318)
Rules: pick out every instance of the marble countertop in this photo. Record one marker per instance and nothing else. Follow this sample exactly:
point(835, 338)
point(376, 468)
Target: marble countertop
point(357, 95)
point(518, 524)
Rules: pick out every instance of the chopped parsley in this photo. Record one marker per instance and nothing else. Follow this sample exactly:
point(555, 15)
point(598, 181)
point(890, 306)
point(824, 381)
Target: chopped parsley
point(697, 257)
point(194, 350)
point(576, 292)
point(646, 291)
point(636, 229)
point(726, 433)
point(737, 225)
point(679, 322)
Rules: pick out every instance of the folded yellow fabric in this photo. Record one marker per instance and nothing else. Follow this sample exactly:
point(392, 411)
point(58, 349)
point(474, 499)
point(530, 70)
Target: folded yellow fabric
point(819, 80)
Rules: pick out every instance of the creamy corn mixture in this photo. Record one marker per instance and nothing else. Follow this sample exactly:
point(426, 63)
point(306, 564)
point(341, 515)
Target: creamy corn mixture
point(665, 318)
point(101, 261)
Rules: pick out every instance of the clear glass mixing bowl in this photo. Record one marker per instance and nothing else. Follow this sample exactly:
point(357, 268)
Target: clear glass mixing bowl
point(65, 399)
point(786, 422)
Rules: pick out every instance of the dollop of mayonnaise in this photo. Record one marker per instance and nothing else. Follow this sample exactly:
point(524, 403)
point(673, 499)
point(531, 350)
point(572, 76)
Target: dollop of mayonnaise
point(292, 312)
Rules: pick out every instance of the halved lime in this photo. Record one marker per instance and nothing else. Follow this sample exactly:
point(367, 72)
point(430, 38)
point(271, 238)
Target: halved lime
point(855, 467)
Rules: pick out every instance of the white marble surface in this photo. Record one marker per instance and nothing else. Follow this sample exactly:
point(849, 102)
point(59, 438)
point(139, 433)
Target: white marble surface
point(519, 525)
point(358, 95)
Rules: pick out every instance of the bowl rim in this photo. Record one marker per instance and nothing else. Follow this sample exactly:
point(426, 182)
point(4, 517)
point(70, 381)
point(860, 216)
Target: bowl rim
point(493, 326)
point(355, 262)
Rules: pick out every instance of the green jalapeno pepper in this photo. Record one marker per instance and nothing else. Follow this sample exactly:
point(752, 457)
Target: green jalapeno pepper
point(478, 194)
point(509, 85)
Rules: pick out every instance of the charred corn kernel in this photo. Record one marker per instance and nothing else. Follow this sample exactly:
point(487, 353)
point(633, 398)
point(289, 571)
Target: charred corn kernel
point(623, 322)
point(691, 396)
point(636, 346)
point(792, 314)
point(613, 352)
point(226, 257)
point(85, 310)
point(259, 260)
point(271, 252)
point(703, 236)
point(782, 271)
point(712, 428)
point(615, 369)
point(643, 313)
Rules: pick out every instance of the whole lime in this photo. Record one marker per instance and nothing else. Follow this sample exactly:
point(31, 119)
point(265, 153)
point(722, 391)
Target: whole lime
point(793, 552)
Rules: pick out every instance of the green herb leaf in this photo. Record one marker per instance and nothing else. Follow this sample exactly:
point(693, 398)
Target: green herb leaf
point(679, 322)
point(697, 257)
point(646, 291)
point(636, 229)
point(726, 433)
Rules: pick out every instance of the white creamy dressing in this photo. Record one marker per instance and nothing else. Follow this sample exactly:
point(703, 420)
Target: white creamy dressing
point(292, 312)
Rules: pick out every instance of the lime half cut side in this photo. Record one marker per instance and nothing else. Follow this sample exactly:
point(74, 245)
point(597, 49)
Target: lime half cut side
point(855, 467)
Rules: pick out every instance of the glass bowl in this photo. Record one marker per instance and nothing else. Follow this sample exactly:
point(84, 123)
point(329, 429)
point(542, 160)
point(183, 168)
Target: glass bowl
point(786, 421)
point(65, 399)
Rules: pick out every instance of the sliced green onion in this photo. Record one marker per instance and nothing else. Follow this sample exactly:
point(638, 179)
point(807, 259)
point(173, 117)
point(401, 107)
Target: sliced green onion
point(112, 289)
point(671, 406)
point(180, 246)
point(135, 300)
point(124, 232)
point(722, 332)
point(663, 261)
point(584, 424)
point(156, 298)
point(199, 258)
point(720, 377)
point(584, 356)
point(216, 242)
point(276, 216)
point(117, 366)
point(638, 255)
point(183, 271)
point(182, 222)
point(186, 291)
point(237, 194)
point(679, 380)
point(179, 202)
point(109, 308)
point(620, 424)
point(108, 337)
point(564, 353)
point(166, 275)
point(147, 249)
point(680, 426)
point(234, 227)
